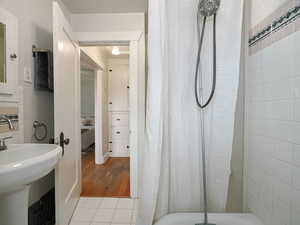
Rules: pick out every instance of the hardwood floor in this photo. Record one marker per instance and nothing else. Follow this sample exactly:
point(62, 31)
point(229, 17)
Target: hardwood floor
point(109, 180)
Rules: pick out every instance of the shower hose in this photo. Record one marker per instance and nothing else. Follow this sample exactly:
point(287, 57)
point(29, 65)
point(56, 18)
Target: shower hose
point(199, 98)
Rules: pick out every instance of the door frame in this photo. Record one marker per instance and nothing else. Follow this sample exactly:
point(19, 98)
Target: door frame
point(137, 99)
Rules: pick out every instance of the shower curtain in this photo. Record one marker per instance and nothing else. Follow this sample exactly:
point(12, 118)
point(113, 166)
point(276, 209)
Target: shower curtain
point(172, 176)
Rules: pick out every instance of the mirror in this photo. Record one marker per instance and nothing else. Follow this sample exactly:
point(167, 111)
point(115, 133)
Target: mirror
point(2, 53)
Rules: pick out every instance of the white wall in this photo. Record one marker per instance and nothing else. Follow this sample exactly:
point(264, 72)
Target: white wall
point(99, 56)
point(105, 6)
point(108, 22)
point(35, 28)
point(272, 138)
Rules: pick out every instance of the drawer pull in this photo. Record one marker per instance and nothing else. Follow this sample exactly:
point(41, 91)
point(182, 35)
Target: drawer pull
point(118, 119)
point(110, 103)
point(118, 132)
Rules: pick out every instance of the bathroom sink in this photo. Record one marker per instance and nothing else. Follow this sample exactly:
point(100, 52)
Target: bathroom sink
point(21, 165)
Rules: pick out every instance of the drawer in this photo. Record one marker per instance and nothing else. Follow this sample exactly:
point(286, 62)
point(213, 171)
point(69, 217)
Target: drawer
point(119, 119)
point(119, 133)
point(119, 149)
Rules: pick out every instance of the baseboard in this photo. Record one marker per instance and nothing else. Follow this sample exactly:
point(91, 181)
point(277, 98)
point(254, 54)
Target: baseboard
point(106, 156)
point(119, 155)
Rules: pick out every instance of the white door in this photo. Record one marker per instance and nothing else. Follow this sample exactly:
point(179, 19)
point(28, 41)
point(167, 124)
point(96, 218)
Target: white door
point(118, 86)
point(66, 115)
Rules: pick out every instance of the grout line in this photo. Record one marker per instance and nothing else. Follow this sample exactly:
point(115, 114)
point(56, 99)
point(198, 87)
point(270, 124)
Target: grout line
point(114, 213)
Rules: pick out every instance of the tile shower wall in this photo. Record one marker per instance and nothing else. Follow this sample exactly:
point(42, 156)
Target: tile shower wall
point(272, 138)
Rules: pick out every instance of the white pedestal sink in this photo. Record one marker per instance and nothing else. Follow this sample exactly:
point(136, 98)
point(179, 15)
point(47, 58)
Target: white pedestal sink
point(21, 165)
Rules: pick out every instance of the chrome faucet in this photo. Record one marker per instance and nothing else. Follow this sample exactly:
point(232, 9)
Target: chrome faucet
point(3, 145)
point(11, 127)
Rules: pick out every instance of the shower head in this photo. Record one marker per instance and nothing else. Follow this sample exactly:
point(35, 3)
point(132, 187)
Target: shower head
point(208, 7)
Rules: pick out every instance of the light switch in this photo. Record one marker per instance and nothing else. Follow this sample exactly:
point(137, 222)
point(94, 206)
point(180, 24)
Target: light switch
point(27, 75)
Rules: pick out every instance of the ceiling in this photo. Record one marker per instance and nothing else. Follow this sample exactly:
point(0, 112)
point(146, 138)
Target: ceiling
point(106, 6)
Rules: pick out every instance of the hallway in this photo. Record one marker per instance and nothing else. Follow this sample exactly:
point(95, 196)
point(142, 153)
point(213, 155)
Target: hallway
point(111, 179)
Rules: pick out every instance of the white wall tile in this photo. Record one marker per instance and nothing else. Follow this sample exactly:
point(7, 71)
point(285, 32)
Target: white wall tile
point(295, 133)
point(280, 110)
point(274, 67)
point(295, 217)
point(284, 151)
point(296, 155)
point(273, 127)
point(283, 171)
point(295, 87)
point(279, 90)
point(282, 192)
point(296, 177)
point(296, 109)
point(281, 213)
point(296, 200)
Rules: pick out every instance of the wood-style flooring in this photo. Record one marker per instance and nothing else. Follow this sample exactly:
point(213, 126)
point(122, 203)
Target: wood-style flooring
point(108, 180)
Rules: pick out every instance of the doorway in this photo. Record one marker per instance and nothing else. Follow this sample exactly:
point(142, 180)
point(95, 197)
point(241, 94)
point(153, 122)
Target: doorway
point(67, 110)
point(105, 131)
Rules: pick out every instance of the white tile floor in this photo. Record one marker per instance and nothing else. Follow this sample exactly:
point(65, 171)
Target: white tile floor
point(105, 211)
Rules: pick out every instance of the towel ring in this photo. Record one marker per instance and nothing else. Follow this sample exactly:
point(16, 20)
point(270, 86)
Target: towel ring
point(36, 126)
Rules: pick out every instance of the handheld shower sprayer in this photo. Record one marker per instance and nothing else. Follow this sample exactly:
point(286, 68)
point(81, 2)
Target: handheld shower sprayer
point(206, 8)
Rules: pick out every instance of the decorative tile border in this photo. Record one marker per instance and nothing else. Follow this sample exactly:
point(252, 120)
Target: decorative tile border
point(281, 23)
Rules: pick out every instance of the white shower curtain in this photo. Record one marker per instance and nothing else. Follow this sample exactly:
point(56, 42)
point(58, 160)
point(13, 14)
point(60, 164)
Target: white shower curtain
point(172, 174)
